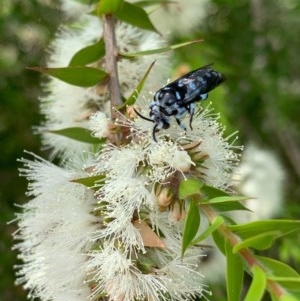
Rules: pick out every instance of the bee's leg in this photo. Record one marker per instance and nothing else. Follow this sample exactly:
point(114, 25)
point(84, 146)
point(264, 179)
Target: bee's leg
point(191, 109)
point(154, 131)
point(182, 125)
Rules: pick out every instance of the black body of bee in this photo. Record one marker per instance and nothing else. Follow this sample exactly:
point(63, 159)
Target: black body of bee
point(179, 97)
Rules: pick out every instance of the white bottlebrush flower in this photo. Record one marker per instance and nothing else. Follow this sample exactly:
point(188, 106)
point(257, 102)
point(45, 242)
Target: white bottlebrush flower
point(100, 125)
point(180, 17)
point(217, 153)
point(260, 176)
point(55, 231)
point(117, 275)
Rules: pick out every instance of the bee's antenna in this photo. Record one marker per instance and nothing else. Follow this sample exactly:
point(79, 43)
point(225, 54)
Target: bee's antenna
point(139, 114)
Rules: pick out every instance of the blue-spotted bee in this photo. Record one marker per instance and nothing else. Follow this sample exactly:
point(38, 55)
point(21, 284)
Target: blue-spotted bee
point(179, 97)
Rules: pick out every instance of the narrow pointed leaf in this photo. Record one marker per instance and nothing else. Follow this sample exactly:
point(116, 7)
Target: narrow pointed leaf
point(89, 54)
point(158, 50)
point(229, 206)
point(251, 229)
point(208, 231)
point(132, 98)
point(79, 134)
point(210, 192)
point(234, 274)
point(225, 199)
point(259, 242)
point(77, 76)
point(191, 226)
point(135, 15)
point(277, 268)
point(91, 181)
point(291, 283)
point(226, 203)
point(289, 297)
point(258, 285)
point(108, 7)
point(219, 241)
point(152, 2)
point(190, 187)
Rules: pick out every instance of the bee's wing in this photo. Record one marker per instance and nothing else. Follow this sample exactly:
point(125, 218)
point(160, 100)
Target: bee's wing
point(197, 82)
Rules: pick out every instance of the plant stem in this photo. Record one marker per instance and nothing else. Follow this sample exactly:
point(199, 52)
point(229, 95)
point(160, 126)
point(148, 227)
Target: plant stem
point(111, 56)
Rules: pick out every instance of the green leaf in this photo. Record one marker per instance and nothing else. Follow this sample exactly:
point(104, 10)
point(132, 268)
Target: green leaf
point(152, 2)
point(190, 187)
point(229, 206)
point(134, 15)
point(288, 297)
point(90, 182)
point(290, 283)
point(132, 98)
point(158, 50)
point(210, 192)
point(79, 134)
point(251, 229)
point(191, 226)
point(261, 241)
point(226, 203)
point(89, 54)
point(219, 241)
point(234, 274)
point(277, 268)
point(258, 285)
point(225, 199)
point(218, 221)
point(77, 76)
point(108, 7)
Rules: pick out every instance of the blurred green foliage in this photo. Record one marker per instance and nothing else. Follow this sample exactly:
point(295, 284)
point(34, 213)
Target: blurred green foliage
point(26, 28)
point(255, 43)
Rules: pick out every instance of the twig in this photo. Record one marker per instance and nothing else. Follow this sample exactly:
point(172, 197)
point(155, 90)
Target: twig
point(111, 56)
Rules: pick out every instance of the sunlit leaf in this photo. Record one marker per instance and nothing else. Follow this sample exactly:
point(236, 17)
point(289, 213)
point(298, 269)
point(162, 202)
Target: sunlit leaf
point(291, 283)
point(77, 76)
point(191, 226)
point(132, 98)
point(260, 241)
point(209, 230)
point(79, 134)
point(258, 285)
point(289, 297)
point(277, 268)
point(190, 187)
point(89, 54)
point(209, 192)
point(91, 181)
point(135, 15)
point(108, 7)
point(227, 198)
point(234, 274)
point(229, 206)
point(152, 2)
point(219, 241)
point(158, 50)
point(251, 229)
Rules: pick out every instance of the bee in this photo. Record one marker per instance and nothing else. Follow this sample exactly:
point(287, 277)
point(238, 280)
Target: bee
point(179, 97)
